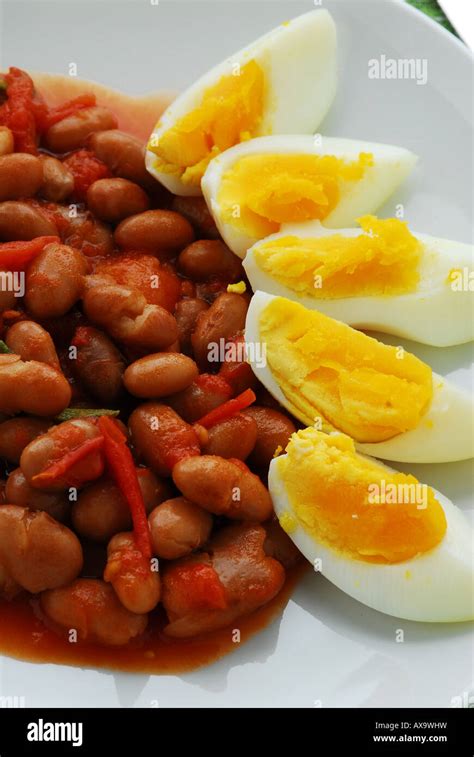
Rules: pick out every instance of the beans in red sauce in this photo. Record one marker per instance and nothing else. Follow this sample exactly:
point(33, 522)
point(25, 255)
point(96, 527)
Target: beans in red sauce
point(129, 316)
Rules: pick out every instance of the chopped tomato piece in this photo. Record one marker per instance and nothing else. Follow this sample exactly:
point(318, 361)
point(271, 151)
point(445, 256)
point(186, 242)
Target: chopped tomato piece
point(15, 256)
point(157, 281)
point(212, 383)
point(86, 169)
point(22, 111)
point(199, 586)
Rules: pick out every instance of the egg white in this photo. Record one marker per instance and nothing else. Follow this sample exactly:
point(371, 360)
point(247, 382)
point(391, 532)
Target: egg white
point(299, 60)
point(435, 314)
point(445, 433)
point(436, 586)
point(391, 166)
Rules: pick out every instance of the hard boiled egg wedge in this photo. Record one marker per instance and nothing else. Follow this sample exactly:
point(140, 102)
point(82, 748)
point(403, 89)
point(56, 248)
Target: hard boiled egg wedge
point(390, 542)
point(255, 187)
point(283, 83)
point(379, 277)
point(327, 373)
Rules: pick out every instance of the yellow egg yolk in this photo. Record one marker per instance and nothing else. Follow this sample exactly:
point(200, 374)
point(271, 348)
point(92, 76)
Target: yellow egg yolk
point(332, 492)
point(383, 261)
point(330, 371)
point(260, 192)
point(229, 113)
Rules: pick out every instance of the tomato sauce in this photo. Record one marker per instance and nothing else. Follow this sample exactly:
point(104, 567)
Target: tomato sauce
point(24, 635)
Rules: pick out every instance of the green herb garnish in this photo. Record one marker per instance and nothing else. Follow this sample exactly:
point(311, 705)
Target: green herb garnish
point(82, 412)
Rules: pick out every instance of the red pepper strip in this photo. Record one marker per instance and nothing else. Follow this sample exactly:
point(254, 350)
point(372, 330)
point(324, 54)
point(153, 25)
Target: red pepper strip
point(121, 464)
point(69, 108)
point(14, 256)
point(60, 467)
point(228, 409)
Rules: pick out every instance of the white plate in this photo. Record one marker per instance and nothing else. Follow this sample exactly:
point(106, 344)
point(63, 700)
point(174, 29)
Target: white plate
point(326, 649)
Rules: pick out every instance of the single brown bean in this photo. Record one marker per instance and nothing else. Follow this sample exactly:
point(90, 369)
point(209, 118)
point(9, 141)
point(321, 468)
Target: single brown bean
point(37, 551)
point(224, 319)
point(20, 221)
point(123, 154)
point(162, 232)
point(19, 492)
point(273, 430)
point(99, 366)
point(112, 200)
point(209, 484)
point(205, 394)
point(31, 387)
point(279, 545)
point(161, 437)
point(96, 280)
point(125, 314)
point(136, 583)
point(208, 258)
point(223, 487)
point(159, 375)
point(7, 143)
point(54, 281)
point(234, 437)
point(32, 342)
point(92, 607)
point(8, 298)
point(101, 510)
point(58, 181)
point(72, 132)
point(92, 237)
point(235, 369)
point(186, 314)
point(17, 433)
point(265, 399)
point(47, 449)
point(21, 175)
point(196, 211)
point(178, 527)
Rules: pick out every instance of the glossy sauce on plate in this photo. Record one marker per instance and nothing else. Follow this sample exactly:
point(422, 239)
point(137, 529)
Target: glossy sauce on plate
point(24, 635)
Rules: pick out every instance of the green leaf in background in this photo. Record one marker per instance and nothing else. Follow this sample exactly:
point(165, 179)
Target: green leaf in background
point(432, 9)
